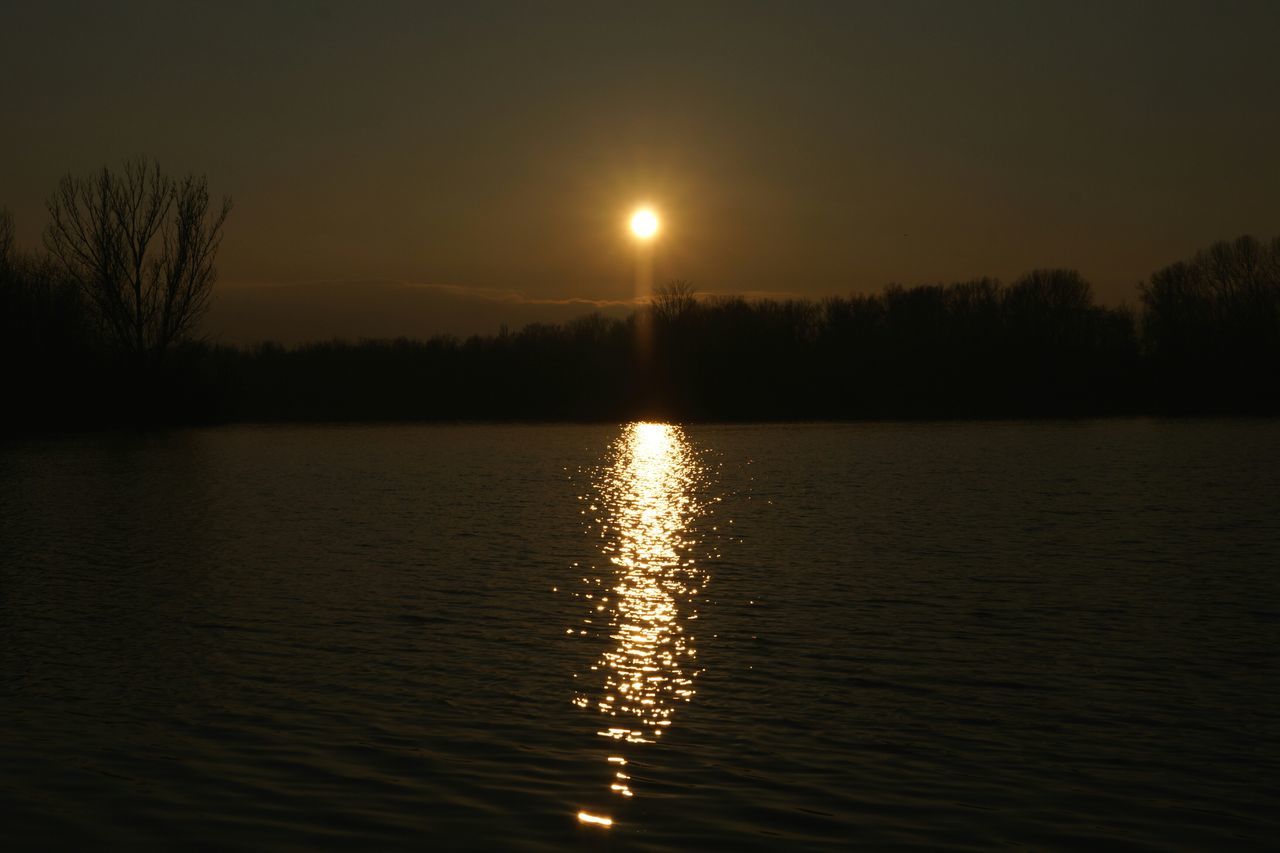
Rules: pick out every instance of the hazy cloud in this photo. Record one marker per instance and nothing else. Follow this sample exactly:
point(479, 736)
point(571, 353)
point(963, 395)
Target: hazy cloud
point(248, 313)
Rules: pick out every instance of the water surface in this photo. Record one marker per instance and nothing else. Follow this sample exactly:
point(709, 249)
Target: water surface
point(936, 635)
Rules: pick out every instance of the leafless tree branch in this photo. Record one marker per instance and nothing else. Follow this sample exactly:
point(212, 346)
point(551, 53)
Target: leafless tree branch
point(141, 246)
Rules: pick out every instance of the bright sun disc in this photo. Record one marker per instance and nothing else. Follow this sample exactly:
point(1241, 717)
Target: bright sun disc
point(644, 224)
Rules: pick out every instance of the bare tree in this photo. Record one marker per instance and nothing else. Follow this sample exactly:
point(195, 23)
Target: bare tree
point(674, 300)
point(141, 246)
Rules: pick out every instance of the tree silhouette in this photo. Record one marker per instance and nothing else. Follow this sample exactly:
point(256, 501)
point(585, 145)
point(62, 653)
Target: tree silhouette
point(141, 246)
point(1211, 327)
point(674, 300)
point(130, 265)
point(6, 236)
point(48, 343)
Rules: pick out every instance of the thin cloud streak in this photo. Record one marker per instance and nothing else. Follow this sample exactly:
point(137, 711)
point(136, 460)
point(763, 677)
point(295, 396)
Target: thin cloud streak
point(246, 313)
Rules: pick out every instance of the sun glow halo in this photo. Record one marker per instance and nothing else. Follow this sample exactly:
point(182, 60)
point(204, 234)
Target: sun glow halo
point(644, 223)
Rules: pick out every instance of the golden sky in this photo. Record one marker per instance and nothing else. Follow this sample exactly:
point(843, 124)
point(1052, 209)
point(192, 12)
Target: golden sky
point(809, 148)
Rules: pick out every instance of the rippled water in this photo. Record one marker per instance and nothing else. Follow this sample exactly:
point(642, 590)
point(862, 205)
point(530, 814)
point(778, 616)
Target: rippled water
point(1053, 635)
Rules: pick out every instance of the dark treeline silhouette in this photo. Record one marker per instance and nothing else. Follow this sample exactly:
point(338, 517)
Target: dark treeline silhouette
point(1211, 329)
point(1204, 339)
point(48, 342)
point(1038, 347)
point(978, 349)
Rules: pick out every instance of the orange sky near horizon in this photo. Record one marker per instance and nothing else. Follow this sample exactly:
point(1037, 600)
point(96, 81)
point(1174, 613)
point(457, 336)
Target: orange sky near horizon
point(811, 149)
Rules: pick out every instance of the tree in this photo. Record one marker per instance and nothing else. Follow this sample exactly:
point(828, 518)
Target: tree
point(673, 301)
point(141, 246)
point(1211, 324)
point(6, 237)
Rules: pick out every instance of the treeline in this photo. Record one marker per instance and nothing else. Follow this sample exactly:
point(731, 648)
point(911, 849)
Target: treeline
point(1039, 347)
point(1211, 329)
point(56, 369)
point(1204, 338)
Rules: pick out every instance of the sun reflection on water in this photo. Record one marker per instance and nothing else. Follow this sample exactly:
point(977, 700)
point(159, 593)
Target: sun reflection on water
point(648, 497)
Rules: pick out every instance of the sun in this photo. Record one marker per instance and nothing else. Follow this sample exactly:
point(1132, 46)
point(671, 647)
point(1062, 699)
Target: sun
point(644, 223)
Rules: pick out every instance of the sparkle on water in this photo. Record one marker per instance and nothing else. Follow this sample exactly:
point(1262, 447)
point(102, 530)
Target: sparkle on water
point(648, 496)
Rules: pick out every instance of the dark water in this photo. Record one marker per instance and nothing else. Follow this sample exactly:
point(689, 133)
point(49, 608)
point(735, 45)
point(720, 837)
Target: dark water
point(977, 635)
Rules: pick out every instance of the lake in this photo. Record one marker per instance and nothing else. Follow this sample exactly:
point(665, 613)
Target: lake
point(940, 635)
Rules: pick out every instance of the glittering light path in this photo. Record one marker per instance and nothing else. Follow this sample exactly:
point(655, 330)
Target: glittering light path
point(648, 498)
